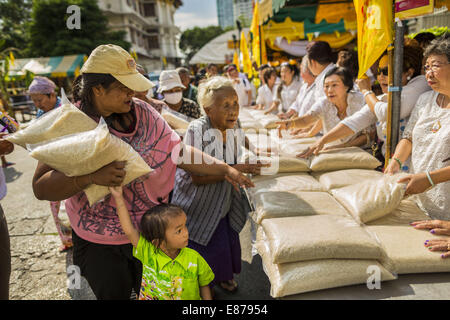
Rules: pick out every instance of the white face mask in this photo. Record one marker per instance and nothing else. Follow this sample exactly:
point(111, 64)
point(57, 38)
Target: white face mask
point(173, 98)
point(149, 94)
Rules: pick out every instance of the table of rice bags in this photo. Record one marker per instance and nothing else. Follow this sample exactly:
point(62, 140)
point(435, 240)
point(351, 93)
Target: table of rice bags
point(329, 225)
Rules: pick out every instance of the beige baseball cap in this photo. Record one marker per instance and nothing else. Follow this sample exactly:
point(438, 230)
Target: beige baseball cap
point(116, 61)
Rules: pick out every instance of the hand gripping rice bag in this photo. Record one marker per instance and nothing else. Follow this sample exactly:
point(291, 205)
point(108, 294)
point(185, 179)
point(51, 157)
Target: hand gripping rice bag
point(86, 152)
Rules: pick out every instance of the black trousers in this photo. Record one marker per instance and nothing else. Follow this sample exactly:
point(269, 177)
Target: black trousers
point(111, 270)
point(5, 257)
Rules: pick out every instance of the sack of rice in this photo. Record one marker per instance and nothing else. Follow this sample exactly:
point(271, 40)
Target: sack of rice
point(343, 158)
point(306, 276)
point(261, 140)
point(372, 199)
point(343, 178)
point(251, 124)
point(404, 245)
point(174, 121)
point(408, 211)
point(285, 182)
point(86, 152)
point(65, 120)
point(281, 164)
point(317, 237)
point(277, 204)
point(268, 121)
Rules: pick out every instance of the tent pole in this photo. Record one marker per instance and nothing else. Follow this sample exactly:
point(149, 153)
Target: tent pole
point(397, 89)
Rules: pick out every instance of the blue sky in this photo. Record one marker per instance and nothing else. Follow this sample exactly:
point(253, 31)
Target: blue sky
point(196, 13)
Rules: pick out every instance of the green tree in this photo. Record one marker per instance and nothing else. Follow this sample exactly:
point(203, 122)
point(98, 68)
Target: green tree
point(50, 36)
point(192, 40)
point(15, 16)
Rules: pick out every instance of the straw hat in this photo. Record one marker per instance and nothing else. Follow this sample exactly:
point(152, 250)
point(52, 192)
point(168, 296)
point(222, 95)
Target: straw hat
point(169, 79)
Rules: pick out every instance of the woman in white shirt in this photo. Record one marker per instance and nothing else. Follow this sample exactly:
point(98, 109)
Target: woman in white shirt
point(266, 91)
point(242, 86)
point(375, 112)
point(339, 103)
point(287, 91)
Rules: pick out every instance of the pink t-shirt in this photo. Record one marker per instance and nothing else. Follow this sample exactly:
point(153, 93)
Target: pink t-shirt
point(154, 140)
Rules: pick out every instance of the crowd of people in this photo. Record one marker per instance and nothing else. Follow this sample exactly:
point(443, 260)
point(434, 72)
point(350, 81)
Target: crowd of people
point(178, 234)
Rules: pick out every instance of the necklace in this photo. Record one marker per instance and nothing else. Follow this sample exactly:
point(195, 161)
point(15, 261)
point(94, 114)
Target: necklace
point(437, 124)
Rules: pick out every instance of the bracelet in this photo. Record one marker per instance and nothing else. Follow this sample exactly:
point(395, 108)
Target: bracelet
point(399, 162)
point(367, 92)
point(429, 179)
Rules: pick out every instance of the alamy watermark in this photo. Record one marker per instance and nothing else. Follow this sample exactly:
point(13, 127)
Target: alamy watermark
point(374, 280)
point(74, 20)
point(73, 277)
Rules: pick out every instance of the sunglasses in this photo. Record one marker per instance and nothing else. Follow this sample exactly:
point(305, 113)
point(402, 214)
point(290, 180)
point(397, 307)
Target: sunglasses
point(383, 71)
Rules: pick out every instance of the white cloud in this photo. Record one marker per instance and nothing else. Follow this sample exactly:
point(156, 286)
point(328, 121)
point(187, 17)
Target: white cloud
point(187, 20)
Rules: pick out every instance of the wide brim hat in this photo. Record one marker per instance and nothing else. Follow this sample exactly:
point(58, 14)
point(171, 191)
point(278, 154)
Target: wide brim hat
point(116, 61)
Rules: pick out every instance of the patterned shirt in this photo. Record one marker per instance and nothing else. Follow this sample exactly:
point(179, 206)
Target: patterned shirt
point(205, 205)
point(190, 109)
point(164, 278)
point(158, 145)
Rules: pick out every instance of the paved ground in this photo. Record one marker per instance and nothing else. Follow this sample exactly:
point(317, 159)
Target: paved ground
point(39, 269)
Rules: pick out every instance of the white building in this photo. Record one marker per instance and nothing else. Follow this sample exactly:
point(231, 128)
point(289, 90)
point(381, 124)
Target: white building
point(150, 29)
point(243, 9)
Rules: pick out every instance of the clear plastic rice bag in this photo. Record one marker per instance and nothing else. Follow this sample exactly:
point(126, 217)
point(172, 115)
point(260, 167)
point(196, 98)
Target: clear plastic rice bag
point(65, 120)
point(86, 152)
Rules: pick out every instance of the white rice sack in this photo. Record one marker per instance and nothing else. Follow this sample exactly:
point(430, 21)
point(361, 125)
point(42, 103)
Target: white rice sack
point(268, 121)
point(174, 121)
point(294, 239)
point(262, 140)
point(285, 182)
point(245, 115)
point(408, 211)
point(344, 158)
point(86, 152)
point(281, 164)
point(278, 204)
point(347, 177)
point(65, 120)
point(370, 200)
point(404, 246)
point(306, 276)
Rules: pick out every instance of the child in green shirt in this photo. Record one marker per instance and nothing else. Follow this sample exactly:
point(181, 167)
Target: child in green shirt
point(170, 270)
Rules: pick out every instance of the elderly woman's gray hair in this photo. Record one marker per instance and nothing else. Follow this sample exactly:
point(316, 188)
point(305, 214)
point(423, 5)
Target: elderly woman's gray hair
point(209, 88)
point(439, 46)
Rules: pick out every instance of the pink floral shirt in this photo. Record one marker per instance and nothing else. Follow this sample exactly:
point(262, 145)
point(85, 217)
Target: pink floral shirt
point(154, 140)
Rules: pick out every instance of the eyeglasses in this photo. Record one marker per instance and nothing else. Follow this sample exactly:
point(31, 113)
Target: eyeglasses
point(434, 67)
point(383, 71)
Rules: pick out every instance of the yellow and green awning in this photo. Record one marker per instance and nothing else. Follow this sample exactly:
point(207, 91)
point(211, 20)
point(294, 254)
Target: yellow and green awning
point(54, 67)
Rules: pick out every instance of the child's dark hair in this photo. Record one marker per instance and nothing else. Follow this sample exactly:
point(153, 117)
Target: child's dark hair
point(154, 222)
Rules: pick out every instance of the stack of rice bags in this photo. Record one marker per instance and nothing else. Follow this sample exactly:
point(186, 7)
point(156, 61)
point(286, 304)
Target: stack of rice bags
point(67, 140)
point(307, 239)
point(256, 119)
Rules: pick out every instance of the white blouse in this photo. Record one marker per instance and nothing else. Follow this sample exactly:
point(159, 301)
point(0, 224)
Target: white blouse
point(304, 100)
point(288, 94)
point(265, 96)
point(429, 130)
point(242, 88)
point(328, 112)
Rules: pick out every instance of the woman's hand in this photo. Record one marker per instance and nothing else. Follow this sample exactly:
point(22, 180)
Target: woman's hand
point(282, 116)
point(282, 125)
point(111, 175)
point(392, 168)
point(439, 227)
point(251, 168)
point(363, 84)
point(313, 149)
point(439, 245)
point(416, 183)
point(236, 178)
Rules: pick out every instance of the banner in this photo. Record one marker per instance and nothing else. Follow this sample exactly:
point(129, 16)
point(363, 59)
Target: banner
point(258, 42)
point(375, 31)
point(411, 8)
point(246, 62)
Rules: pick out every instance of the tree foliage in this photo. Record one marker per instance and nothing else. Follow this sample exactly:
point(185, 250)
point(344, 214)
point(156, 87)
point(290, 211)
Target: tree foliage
point(15, 16)
point(192, 40)
point(50, 36)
